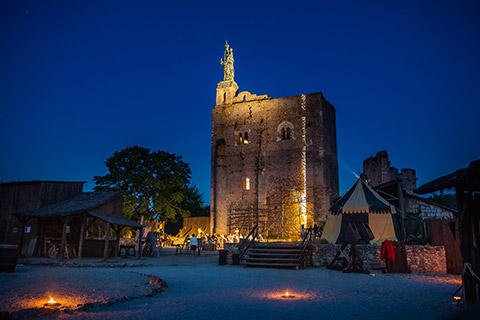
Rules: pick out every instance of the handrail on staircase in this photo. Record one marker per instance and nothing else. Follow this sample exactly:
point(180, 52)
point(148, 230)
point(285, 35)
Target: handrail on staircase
point(185, 234)
point(246, 243)
point(308, 235)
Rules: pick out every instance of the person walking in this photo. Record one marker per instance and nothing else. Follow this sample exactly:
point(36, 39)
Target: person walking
point(193, 244)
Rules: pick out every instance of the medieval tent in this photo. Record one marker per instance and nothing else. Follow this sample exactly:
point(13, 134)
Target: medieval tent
point(361, 204)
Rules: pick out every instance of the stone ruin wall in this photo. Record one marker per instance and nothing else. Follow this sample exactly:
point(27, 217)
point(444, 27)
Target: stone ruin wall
point(378, 171)
point(427, 210)
point(419, 258)
point(277, 162)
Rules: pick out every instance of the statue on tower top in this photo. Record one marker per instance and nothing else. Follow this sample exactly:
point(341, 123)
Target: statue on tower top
point(227, 63)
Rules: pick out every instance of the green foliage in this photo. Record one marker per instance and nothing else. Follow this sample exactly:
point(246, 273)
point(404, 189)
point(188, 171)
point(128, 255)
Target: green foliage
point(446, 199)
point(194, 203)
point(155, 183)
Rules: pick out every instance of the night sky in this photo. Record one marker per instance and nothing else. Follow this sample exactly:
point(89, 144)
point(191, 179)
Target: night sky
point(82, 79)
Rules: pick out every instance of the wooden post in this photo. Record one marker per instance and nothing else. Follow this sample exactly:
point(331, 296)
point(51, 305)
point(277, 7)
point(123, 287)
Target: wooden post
point(139, 250)
point(107, 238)
point(82, 235)
point(117, 230)
point(41, 235)
point(22, 234)
point(465, 238)
point(66, 220)
point(118, 239)
point(401, 204)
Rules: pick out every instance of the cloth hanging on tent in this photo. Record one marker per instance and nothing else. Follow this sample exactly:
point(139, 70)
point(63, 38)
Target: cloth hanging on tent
point(388, 251)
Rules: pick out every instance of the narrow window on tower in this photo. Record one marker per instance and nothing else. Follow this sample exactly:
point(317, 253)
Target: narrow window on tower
point(285, 131)
point(245, 140)
point(224, 97)
point(240, 139)
point(246, 184)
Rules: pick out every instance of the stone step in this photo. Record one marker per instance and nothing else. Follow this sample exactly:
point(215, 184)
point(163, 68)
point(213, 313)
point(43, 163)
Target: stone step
point(272, 265)
point(272, 254)
point(272, 260)
point(288, 251)
point(293, 256)
point(277, 245)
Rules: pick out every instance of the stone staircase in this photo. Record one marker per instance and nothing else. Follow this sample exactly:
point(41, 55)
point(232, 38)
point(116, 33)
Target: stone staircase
point(274, 255)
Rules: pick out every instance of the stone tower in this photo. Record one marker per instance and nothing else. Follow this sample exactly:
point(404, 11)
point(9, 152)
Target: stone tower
point(274, 161)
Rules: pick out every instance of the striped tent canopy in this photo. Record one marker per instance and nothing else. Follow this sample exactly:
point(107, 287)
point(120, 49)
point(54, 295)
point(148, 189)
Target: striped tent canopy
point(361, 204)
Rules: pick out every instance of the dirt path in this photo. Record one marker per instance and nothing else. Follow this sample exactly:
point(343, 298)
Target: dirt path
point(201, 289)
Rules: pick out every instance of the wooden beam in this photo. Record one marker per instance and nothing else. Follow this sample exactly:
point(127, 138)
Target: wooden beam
point(463, 203)
point(107, 239)
point(401, 204)
point(391, 196)
point(83, 228)
point(139, 250)
point(66, 220)
point(41, 235)
point(117, 230)
point(23, 222)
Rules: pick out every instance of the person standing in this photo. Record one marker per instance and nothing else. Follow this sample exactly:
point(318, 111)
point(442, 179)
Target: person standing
point(193, 244)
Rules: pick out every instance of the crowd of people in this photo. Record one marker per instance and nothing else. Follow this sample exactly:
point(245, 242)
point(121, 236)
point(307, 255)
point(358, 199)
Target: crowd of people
point(198, 243)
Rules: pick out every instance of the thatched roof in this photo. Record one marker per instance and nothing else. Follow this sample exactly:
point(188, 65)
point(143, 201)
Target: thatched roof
point(467, 179)
point(115, 219)
point(86, 201)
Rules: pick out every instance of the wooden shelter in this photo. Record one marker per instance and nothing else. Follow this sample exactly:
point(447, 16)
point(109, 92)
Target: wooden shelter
point(467, 188)
point(21, 196)
point(67, 222)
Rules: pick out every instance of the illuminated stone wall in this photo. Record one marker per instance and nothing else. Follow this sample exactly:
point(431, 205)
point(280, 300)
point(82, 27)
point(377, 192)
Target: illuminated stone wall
point(289, 157)
point(419, 258)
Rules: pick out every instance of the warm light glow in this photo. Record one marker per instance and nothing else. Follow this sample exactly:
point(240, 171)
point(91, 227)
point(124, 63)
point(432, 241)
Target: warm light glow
point(51, 303)
point(287, 295)
point(457, 298)
point(372, 274)
point(303, 194)
point(246, 184)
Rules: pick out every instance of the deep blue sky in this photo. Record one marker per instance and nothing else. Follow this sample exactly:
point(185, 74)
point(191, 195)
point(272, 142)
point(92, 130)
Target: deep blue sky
point(81, 79)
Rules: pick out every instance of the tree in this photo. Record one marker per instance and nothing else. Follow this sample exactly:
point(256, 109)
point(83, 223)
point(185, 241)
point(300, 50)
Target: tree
point(446, 199)
point(155, 183)
point(195, 203)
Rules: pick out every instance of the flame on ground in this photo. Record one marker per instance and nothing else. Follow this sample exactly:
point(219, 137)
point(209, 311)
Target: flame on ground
point(51, 301)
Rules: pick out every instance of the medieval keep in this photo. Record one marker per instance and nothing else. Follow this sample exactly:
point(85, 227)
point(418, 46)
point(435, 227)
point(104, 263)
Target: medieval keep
point(274, 161)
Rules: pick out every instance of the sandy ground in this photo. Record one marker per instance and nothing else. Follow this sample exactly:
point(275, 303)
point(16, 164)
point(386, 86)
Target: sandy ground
point(201, 289)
